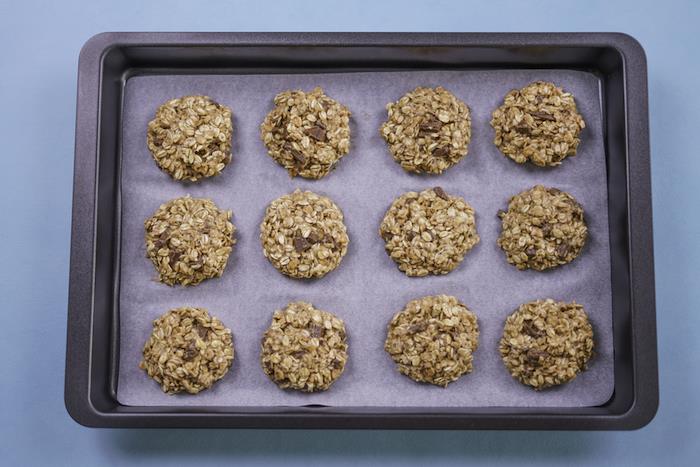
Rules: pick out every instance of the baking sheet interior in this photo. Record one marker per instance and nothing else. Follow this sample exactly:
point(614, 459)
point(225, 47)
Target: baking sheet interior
point(367, 289)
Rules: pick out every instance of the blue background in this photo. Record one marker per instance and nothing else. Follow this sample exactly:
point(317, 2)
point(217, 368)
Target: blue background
point(38, 64)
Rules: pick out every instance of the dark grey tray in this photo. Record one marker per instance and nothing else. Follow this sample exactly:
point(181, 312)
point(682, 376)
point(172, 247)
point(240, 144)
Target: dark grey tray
point(108, 60)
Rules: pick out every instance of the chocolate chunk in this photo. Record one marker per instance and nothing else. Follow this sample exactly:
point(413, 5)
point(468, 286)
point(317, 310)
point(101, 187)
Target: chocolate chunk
point(522, 129)
point(417, 327)
point(410, 235)
point(441, 151)
point(430, 124)
point(562, 250)
point(299, 158)
point(201, 331)
point(531, 251)
point(328, 238)
point(387, 236)
point(315, 330)
point(316, 132)
point(440, 193)
point(533, 356)
point(543, 116)
point(313, 238)
point(301, 244)
point(298, 354)
point(174, 257)
point(553, 191)
point(335, 364)
point(531, 329)
point(546, 229)
point(191, 351)
point(162, 240)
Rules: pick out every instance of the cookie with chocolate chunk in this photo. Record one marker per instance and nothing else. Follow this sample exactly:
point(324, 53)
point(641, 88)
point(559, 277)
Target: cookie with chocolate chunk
point(433, 339)
point(546, 343)
point(307, 133)
point(304, 348)
point(189, 240)
point(428, 232)
point(543, 228)
point(538, 123)
point(188, 351)
point(427, 130)
point(190, 137)
point(303, 235)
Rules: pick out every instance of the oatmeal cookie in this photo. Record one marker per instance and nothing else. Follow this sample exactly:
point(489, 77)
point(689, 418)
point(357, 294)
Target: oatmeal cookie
point(188, 351)
point(303, 235)
point(189, 240)
point(428, 232)
point(542, 228)
point(538, 123)
point(546, 343)
point(307, 133)
point(427, 130)
point(190, 137)
point(304, 348)
point(433, 339)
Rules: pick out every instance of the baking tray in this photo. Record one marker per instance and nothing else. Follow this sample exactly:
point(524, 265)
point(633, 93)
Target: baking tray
point(108, 60)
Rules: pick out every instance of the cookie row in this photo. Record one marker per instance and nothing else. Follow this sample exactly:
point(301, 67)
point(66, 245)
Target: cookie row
point(432, 340)
point(303, 234)
point(428, 130)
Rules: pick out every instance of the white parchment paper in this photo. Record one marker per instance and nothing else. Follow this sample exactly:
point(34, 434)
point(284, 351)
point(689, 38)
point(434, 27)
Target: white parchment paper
point(367, 289)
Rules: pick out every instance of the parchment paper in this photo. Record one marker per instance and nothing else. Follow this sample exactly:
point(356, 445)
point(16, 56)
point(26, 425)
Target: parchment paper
point(367, 289)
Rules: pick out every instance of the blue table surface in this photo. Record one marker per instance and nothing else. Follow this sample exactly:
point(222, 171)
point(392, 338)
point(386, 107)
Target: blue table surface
point(38, 66)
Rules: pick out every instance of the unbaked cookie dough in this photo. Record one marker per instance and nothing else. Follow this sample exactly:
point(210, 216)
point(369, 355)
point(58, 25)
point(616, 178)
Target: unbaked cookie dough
point(190, 137)
point(303, 235)
point(433, 339)
point(538, 123)
point(307, 133)
point(188, 351)
point(427, 130)
point(546, 343)
point(304, 348)
point(189, 240)
point(542, 228)
point(428, 232)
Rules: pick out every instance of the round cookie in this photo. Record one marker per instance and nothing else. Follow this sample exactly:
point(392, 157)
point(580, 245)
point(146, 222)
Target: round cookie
point(189, 240)
point(427, 130)
point(307, 133)
point(546, 343)
point(188, 351)
point(304, 348)
point(190, 137)
point(433, 339)
point(303, 235)
point(538, 123)
point(542, 228)
point(428, 232)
